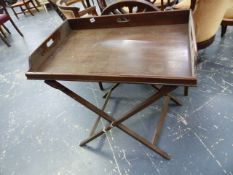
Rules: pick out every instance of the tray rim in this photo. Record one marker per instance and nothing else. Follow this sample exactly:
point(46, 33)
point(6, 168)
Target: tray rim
point(187, 80)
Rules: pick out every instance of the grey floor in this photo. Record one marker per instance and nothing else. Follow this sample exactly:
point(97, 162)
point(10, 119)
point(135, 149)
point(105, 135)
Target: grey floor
point(40, 128)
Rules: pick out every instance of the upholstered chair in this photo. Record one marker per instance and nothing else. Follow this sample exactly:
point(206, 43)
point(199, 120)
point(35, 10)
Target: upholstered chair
point(208, 15)
point(227, 21)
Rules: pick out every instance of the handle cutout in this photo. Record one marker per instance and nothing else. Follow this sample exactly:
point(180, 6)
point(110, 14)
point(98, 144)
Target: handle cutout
point(123, 20)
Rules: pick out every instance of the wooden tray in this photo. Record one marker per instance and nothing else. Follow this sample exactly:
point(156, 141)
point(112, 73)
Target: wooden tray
point(156, 47)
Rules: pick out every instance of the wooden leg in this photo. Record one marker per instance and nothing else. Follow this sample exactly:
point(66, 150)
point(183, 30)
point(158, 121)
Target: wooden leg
point(2, 32)
point(8, 31)
point(23, 11)
point(224, 29)
point(101, 86)
point(186, 91)
point(161, 121)
point(33, 4)
point(4, 40)
point(103, 108)
point(117, 123)
point(12, 22)
point(15, 13)
point(28, 9)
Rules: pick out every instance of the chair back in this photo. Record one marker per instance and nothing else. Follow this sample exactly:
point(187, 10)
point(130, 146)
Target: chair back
point(129, 6)
point(68, 11)
point(55, 7)
point(102, 5)
point(71, 12)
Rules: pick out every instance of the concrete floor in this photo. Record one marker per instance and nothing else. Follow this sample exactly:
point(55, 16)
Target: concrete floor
point(41, 128)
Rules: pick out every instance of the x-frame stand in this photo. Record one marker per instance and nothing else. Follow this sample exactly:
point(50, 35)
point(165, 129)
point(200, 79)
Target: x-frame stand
point(163, 91)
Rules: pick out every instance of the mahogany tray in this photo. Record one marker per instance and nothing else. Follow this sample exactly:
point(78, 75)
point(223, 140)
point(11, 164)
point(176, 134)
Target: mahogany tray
point(155, 47)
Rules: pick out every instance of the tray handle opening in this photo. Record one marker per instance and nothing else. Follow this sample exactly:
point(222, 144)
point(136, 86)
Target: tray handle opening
point(123, 20)
point(51, 42)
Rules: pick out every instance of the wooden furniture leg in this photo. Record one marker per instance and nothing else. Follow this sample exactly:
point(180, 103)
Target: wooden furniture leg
point(33, 4)
point(101, 86)
point(103, 108)
point(12, 22)
point(8, 31)
point(28, 9)
point(161, 121)
point(4, 40)
point(186, 91)
point(22, 10)
point(2, 32)
point(117, 123)
point(15, 13)
point(224, 29)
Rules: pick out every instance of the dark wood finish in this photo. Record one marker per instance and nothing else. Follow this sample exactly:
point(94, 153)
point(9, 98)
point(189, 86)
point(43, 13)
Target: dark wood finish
point(126, 7)
point(24, 5)
point(224, 30)
point(224, 24)
point(101, 86)
point(163, 91)
point(3, 38)
point(102, 5)
point(193, 4)
point(129, 6)
point(55, 7)
point(186, 91)
point(134, 20)
point(103, 108)
point(160, 124)
point(49, 46)
point(8, 31)
point(107, 63)
point(117, 123)
point(129, 51)
point(2, 31)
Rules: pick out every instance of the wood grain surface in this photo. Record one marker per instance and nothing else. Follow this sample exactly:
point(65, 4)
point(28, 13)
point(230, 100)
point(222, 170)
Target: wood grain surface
point(140, 54)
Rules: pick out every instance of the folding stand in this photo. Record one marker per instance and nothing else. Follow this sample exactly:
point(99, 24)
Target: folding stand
point(163, 91)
